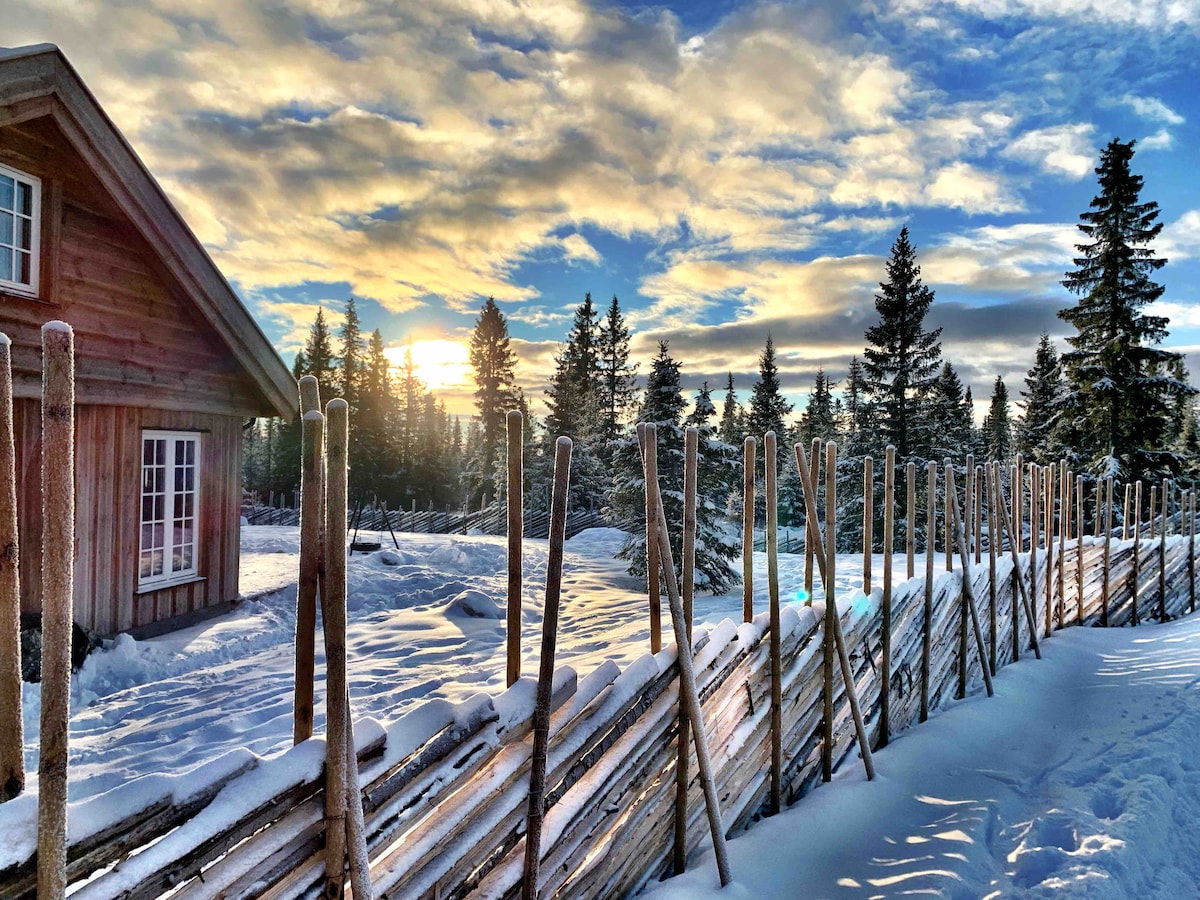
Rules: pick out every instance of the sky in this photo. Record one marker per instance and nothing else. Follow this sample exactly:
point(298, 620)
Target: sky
point(728, 170)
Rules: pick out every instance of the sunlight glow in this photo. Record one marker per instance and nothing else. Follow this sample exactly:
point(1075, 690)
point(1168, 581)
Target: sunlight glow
point(438, 362)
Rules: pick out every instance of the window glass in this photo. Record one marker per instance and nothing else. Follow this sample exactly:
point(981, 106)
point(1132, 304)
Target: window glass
point(169, 485)
point(19, 216)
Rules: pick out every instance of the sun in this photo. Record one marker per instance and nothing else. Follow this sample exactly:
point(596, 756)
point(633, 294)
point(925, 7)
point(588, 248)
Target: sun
point(438, 362)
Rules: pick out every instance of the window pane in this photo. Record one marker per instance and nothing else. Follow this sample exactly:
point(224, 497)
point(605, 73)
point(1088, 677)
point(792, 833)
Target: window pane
point(159, 534)
point(145, 567)
point(160, 452)
point(187, 558)
point(147, 452)
point(160, 479)
point(160, 503)
point(6, 228)
point(147, 509)
point(6, 270)
point(179, 448)
point(6, 192)
point(156, 562)
point(23, 268)
point(179, 479)
point(147, 536)
point(24, 234)
point(178, 506)
point(189, 504)
point(190, 479)
point(24, 199)
point(191, 453)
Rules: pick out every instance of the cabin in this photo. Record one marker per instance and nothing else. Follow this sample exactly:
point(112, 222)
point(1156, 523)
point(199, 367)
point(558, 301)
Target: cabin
point(169, 363)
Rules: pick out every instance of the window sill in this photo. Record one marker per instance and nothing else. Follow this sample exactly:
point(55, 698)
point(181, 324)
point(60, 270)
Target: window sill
point(9, 293)
point(167, 585)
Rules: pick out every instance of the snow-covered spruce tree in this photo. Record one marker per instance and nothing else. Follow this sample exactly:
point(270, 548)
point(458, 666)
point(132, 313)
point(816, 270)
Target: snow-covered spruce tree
point(949, 418)
point(1188, 448)
point(617, 391)
point(375, 449)
point(818, 419)
point(902, 357)
point(1038, 433)
point(663, 405)
point(1117, 410)
point(351, 344)
point(493, 360)
point(857, 439)
point(997, 429)
point(720, 466)
point(768, 412)
point(732, 428)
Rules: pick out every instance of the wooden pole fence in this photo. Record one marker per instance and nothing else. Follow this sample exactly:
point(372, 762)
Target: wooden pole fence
point(748, 530)
point(868, 523)
point(312, 496)
point(927, 608)
point(515, 507)
point(691, 467)
point(647, 440)
point(771, 468)
point(910, 513)
point(12, 737)
point(885, 661)
point(968, 587)
point(1027, 602)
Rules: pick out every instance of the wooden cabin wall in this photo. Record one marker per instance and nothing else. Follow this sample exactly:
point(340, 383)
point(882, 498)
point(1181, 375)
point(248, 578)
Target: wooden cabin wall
point(108, 507)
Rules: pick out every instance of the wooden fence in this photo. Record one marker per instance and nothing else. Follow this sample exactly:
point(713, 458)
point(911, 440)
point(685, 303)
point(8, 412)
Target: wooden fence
point(445, 787)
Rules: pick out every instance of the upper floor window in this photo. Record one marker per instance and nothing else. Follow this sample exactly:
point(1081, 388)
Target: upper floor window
point(20, 214)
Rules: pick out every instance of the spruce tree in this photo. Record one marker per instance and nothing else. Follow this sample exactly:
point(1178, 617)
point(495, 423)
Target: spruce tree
point(1120, 397)
point(616, 374)
point(375, 447)
point(768, 412)
point(818, 420)
point(949, 418)
point(1038, 435)
point(493, 360)
point(902, 358)
point(732, 426)
point(318, 358)
point(997, 429)
point(351, 345)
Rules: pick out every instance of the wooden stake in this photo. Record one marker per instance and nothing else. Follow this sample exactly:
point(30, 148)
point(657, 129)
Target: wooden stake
point(1017, 489)
point(1079, 549)
point(356, 831)
point(968, 586)
point(885, 662)
point(1064, 525)
point(910, 512)
point(515, 499)
point(927, 622)
point(58, 555)
point(1153, 508)
point(868, 520)
point(1006, 525)
point(1099, 501)
point(333, 616)
point(748, 531)
point(969, 498)
point(949, 538)
point(1125, 511)
point(993, 480)
point(312, 497)
point(812, 549)
point(691, 468)
point(1048, 488)
point(1107, 565)
point(977, 531)
point(1014, 481)
point(688, 690)
point(1134, 561)
point(12, 738)
point(545, 685)
point(1034, 526)
point(831, 617)
point(771, 466)
point(1191, 495)
point(963, 626)
point(646, 434)
point(828, 571)
point(1162, 557)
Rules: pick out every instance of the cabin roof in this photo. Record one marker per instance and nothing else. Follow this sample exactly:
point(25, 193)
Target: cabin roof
point(37, 81)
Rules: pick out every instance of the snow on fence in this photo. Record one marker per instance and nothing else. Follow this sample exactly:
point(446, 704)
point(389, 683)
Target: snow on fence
point(445, 789)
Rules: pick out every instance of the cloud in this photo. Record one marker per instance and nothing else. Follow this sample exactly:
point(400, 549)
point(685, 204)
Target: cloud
point(1160, 140)
point(974, 191)
point(577, 249)
point(1027, 258)
point(1152, 108)
point(1064, 150)
point(1148, 14)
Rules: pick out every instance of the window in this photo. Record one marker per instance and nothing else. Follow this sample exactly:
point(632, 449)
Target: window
point(170, 496)
point(20, 215)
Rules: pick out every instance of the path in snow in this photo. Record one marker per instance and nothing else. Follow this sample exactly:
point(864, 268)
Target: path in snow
point(425, 622)
point(1081, 778)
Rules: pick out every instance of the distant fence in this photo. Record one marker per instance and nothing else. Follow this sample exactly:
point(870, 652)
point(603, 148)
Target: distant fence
point(445, 788)
point(491, 520)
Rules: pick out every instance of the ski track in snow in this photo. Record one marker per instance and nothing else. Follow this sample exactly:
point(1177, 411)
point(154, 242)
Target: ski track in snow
point(1078, 780)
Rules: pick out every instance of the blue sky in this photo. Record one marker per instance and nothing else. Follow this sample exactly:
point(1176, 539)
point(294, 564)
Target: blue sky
point(726, 169)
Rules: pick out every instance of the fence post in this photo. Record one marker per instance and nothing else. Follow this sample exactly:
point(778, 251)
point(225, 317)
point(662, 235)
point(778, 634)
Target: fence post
point(1035, 472)
point(910, 512)
point(992, 477)
point(1079, 548)
point(978, 528)
point(868, 520)
point(812, 548)
point(771, 469)
point(1153, 508)
point(545, 684)
point(1125, 511)
point(885, 663)
point(748, 531)
point(1162, 557)
point(968, 499)
point(1064, 525)
point(515, 499)
point(953, 533)
point(1019, 582)
point(1107, 562)
point(691, 464)
point(312, 496)
point(1016, 489)
point(648, 441)
point(1099, 501)
point(1048, 490)
point(968, 586)
point(1136, 559)
point(927, 625)
point(1014, 542)
point(12, 739)
point(1191, 549)
point(58, 553)
point(830, 608)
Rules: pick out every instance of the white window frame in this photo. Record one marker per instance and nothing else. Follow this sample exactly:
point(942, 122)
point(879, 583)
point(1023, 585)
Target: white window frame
point(35, 237)
point(166, 543)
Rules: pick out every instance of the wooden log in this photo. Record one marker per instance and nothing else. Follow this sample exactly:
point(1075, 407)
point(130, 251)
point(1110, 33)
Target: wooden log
point(930, 532)
point(992, 477)
point(1108, 560)
point(748, 531)
point(771, 466)
point(58, 556)
point(1064, 526)
point(1125, 511)
point(969, 501)
point(885, 657)
point(828, 643)
point(948, 537)
point(356, 831)
point(1162, 556)
point(977, 530)
point(1099, 503)
point(1034, 537)
point(333, 614)
point(12, 740)
point(312, 490)
point(545, 686)
point(1048, 501)
point(691, 465)
point(1006, 525)
point(515, 503)
point(1014, 481)
point(687, 678)
point(868, 524)
point(910, 512)
point(1134, 562)
point(968, 587)
point(1017, 488)
point(1079, 548)
point(1191, 550)
point(653, 561)
point(1153, 508)
point(963, 625)
point(812, 550)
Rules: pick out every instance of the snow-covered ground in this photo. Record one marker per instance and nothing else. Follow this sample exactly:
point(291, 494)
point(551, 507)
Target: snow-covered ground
point(425, 621)
point(1078, 777)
